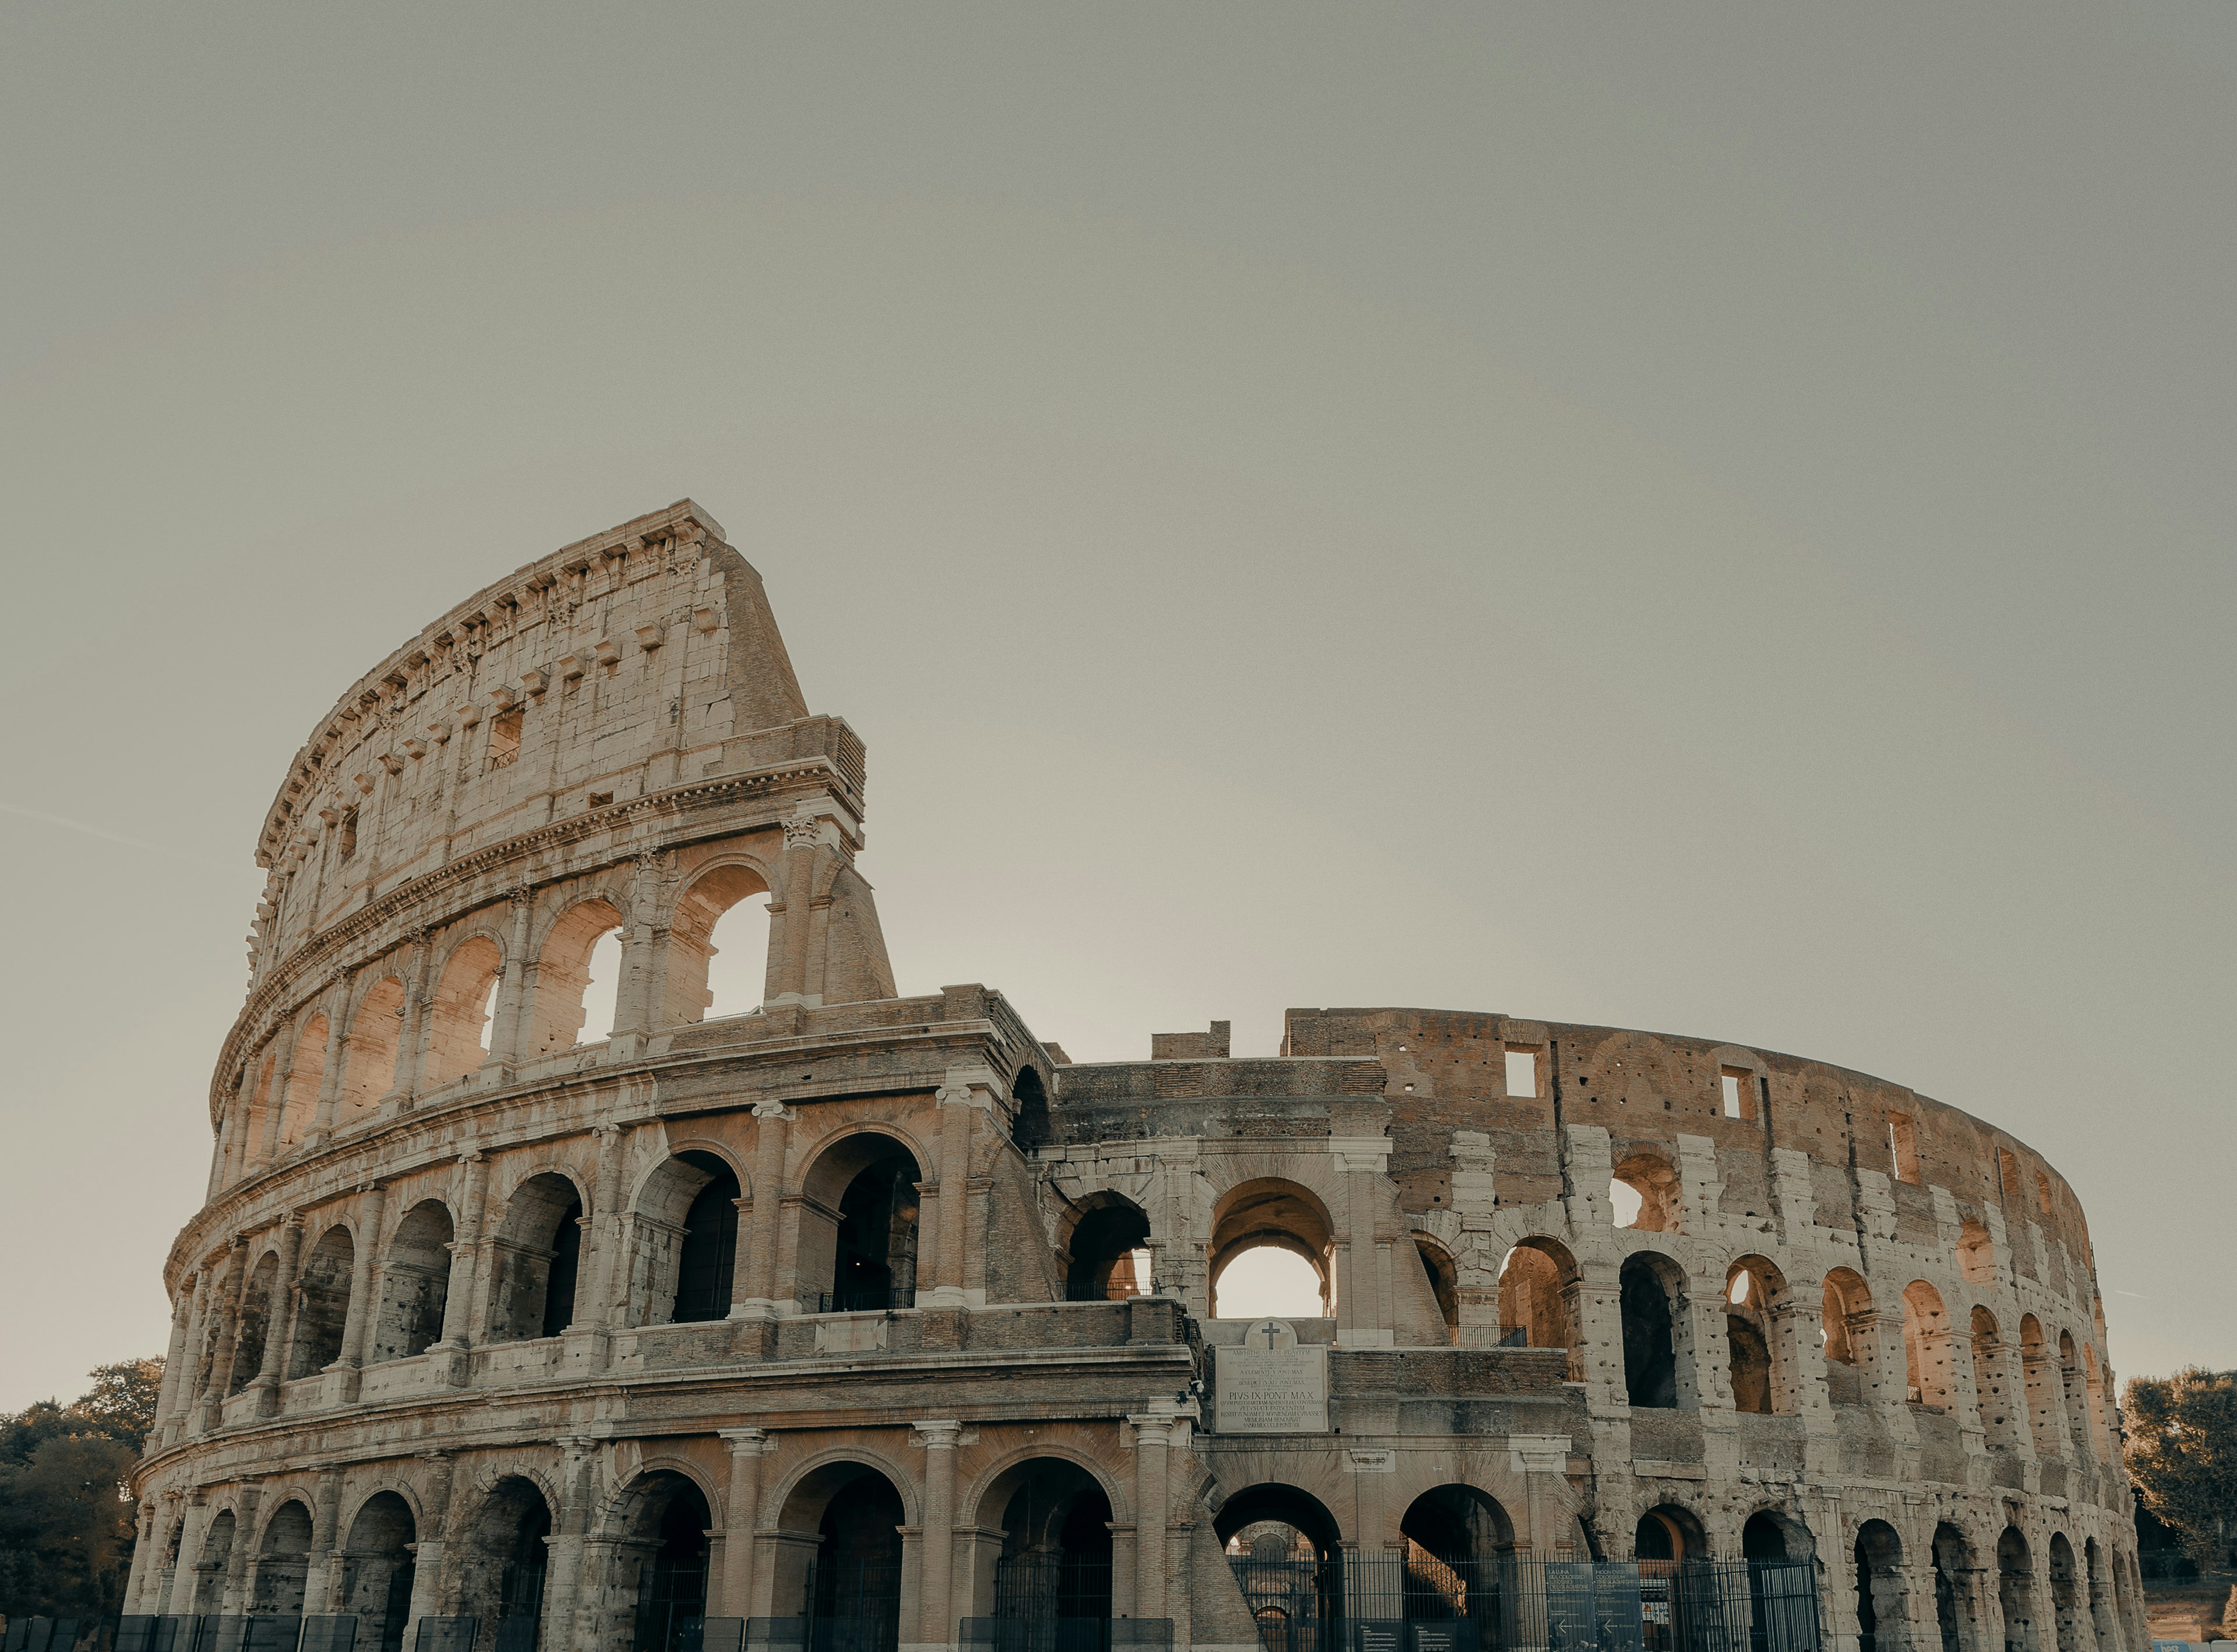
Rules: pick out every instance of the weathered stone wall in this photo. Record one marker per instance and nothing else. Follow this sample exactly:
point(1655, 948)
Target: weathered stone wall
point(472, 1288)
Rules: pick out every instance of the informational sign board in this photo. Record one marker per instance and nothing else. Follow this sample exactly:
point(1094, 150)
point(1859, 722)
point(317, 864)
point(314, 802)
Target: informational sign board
point(1377, 1635)
point(1441, 1635)
point(1271, 1384)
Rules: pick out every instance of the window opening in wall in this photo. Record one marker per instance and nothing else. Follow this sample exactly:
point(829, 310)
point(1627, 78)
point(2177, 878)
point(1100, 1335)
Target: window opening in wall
point(1444, 1283)
point(1646, 1194)
point(737, 961)
point(2008, 1168)
point(566, 1264)
point(346, 834)
point(602, 993)
point(708, 1257)
point(1650, 1352)
point(1110, 1255)
point(1903, 1148)
point(489, 1009)
point(877, 1243)
point(1266, 1282)
point(1626, 1201)
point(2042, 1193)
point(1738, 1093)
point(1521, 1072)
point(504, 739)
point(1534, 1307)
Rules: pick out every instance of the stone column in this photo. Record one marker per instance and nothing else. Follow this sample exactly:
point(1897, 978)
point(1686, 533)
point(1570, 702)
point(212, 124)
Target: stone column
point(427, 1556)
point(607, 1312)
point(143, 1558)
point(174, 1359)
point(364, 1305)
point(803, 836)
point(508, 1029)
point(411, 1047)
point(1363, 1304)
point(275, 1093)
point(227, 1326)
point(336, 1069)
point(633, 1006)
point(1542, 1460)
point(465, 1249)
point(324, 1577)
point(757, 1256)
point(278, 1321)
point(232, 1597)
point(2045, 1402)
point(936, 1623)
point(958, 1106)
point(740, 1516)
point(1153, 1433)
point(563, 1573)
point(194, 1521)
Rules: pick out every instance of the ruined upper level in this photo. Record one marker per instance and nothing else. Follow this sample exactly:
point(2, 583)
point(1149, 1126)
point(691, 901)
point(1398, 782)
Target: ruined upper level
point(620, 669)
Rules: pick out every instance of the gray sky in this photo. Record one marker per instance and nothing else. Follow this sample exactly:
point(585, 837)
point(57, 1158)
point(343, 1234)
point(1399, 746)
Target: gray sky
point(1712, 520)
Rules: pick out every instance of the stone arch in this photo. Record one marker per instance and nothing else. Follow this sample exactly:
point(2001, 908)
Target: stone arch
point(1756, 1302)
point(2101, 1430)
point(371, 1047)
point(1668, 1533)
point(535, 1258)
point(1440, 1269)
point(415, 1283)
point(1879, 1588)
point(2043, 1401)
point(1030, 1128)
point(2068, 1604)
point(1054, 1511)
point(1951, 1560)
point(1929, 1376)
point(216, 1556)
point(844, 1510)
point(1271, 1513)
point(1657, 1364)
point(858, 1239)
point(2103, 1616)
point(1458, 1525)
point(257, 1120)
point(462, 1013)
point(500, 1572)
point(2015, 1591)
point(1772, 1532)
point(556, 1012)
point(1539, 1281)
point(307, 1070)
point(684, 1265)
point(2002, 1420)
point(255, 1322)
point(1271, 1212)
point(1976, 1253)
point(322, 1301)
point(2074, 1388)
point(1648, 1176)
point(377, 1569)
point(283, 1559)
point(987, 1485)
point(1105, 1243)
point(701, 909)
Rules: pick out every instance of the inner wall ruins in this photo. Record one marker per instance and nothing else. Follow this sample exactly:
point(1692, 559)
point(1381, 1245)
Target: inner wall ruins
point(878, 1314)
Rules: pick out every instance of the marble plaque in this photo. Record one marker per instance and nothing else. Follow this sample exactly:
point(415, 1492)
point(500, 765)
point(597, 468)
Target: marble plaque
point(1272, 1383)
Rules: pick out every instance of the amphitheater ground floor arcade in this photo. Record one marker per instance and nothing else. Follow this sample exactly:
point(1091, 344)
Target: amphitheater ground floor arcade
point(916, 1530)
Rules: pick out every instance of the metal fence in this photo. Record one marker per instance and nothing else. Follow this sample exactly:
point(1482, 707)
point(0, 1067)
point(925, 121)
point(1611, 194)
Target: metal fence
point(1415, 1603)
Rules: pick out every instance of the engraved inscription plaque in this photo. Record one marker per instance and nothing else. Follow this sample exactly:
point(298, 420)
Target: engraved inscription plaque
point(1271, 1384)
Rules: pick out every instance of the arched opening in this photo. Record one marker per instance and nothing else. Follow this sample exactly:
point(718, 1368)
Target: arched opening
point(1455, 1537)
point(1847, 1300)
point(415, 1284)
point(1644, 1193)
point(535, 1259)
point(687, 1241)
point(1782, 1582)
point(2015, 1591)
point(1927, 1376)
point(1537, 1287)
point(1110, 1251)
point(255, 1324)
point(1032, 1128)
point(841, 1561)
point(259, 1121)
point(1254, 1226)
point(283, 1562)
point(562, 1010)
point(210, 1566)
point(1754, 1289)
point(1666, 1535)
point(2101, 1430)
point(2102, 1615)
point(2073, 1389)
point(1977, 1254)
point(322, 1303)
point(2066, 1599)
point(668, 1528)
point(307, 1067)
point(1443, 1276)
point(376, 1032)
point(1287, 1555)
point(464, 1007)
point(1879, 1588)
point(1953, 1592)
point(1054, 1565)
point(718, 947)
point(2042, 1378)
point(501, 1574)
point(1652, 1296)
point(2000, 1420)
point(858, 1227)
point(377, 1571)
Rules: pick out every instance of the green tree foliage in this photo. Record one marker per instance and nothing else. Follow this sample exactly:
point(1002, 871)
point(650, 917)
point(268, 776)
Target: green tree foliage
point(66, 1516)
point(2182, 1451)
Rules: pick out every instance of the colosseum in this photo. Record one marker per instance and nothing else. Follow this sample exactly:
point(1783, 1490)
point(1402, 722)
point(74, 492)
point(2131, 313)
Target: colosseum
point(539, 1299)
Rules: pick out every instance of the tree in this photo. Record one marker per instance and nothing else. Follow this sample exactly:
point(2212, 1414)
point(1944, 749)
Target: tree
point(66, 1513)
point(2183, 1452)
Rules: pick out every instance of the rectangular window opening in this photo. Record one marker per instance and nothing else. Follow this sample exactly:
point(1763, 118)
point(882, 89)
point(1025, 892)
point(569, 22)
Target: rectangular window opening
point(2042, 1193)
point(1903, 1148)
point(504, 739)
point(1738, 1087)
point(2008, 1168)
point(1521, 1072)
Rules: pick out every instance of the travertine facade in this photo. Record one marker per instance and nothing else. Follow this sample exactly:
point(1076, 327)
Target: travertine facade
point(831, 1307)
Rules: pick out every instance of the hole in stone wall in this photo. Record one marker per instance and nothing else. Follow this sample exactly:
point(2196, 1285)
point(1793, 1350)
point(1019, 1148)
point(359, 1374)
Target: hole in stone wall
point(737, 967)
point(1903, 1148)
point(599, 995)
point(1626, 1201)
point(504, 739)
point(1521, 1072)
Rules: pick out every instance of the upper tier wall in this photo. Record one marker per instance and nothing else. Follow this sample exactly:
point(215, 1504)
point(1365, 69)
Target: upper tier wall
point(629, 663)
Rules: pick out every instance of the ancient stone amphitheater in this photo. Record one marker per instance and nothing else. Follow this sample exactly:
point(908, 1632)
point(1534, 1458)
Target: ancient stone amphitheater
point(864, 1321)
